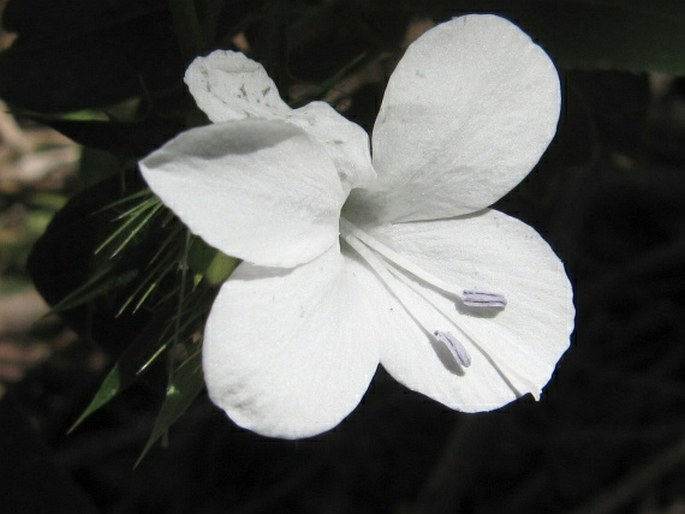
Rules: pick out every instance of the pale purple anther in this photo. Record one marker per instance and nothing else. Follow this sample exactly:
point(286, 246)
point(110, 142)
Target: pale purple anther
point(478, 298)
point(454, 346)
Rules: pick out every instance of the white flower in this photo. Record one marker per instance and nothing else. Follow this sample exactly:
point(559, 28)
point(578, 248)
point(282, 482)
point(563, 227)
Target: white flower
point(348, 263)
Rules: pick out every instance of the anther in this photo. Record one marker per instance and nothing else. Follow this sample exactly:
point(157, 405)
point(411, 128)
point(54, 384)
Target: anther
point(478, 298)
point(454, 346)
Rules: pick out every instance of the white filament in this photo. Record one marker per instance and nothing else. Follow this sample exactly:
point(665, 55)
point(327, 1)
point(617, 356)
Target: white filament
point(470, 297)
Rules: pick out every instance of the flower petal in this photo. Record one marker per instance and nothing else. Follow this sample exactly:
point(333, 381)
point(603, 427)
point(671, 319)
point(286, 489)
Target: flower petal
point(259, 190)
point(345, 142)
point(513, 351)
point(290, 353)
point(228, 86)
point(466, 115)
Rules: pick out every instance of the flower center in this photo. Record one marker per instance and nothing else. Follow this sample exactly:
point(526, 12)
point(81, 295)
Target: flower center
point(388, 264)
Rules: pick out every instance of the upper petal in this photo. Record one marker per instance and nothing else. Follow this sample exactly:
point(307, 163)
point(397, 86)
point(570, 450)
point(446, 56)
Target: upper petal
point(345, 142)
point(466, 115)
point(228, 86)
point(259, 190)
point(513, 351)
point(289, 353)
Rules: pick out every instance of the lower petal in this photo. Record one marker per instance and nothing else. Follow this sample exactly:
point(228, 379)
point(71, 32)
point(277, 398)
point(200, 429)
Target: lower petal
point(290, 353)
point(513, 351)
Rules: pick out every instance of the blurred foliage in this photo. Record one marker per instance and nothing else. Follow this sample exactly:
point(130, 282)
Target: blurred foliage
point(79, 54)
point(125, 274)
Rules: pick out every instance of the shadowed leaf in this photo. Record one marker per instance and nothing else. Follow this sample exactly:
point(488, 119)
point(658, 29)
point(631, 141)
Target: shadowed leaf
point(64, 261)
point(133, 139)
point(186, 384)
point(135, 359)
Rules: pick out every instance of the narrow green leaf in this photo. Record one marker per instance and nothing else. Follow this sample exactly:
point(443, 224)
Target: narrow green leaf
point(185, 386)
point(146, 211)
point(126, 199)
point(155, 272)
point(127, 369)
point(110, 387)
point(102, 283)
point(63, 260)
point(136, 230)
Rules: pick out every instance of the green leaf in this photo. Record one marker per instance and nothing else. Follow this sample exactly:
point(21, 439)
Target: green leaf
point(111, 386)
point(132, 363)
point(200, 255)
point(220, 268)
point(63, 261)
point(96, 165)
point(186, 384)
point(209, 263)
point(102, 283)
point(132, 139)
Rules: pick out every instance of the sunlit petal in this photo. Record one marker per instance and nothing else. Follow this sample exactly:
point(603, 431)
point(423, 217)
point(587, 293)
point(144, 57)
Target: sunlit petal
point(228, 86)
point(259, 190)
point(514, 350)
point(466, 115)
point(289, 353)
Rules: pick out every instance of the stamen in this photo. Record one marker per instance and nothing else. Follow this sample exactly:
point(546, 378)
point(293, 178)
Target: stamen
point(470, 297)
point(505, 371)
point(478, 298)
point(394, 257)
point(387, 272)
point(454, 346)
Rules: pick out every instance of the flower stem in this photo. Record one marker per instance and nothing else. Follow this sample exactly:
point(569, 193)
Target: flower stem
point(183, 267)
